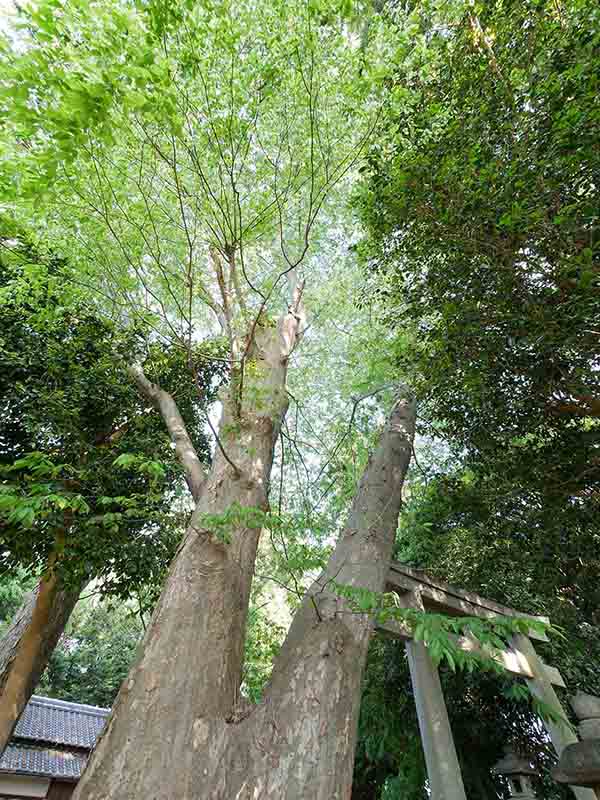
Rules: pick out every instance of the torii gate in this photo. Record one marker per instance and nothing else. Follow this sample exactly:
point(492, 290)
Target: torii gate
point(416, 589)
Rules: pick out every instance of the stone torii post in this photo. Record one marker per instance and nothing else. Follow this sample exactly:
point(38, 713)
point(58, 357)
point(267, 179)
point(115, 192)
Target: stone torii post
point(418, 590)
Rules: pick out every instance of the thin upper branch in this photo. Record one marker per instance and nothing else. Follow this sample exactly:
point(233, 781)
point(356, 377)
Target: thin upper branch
point(184, 449)
point(292, 324)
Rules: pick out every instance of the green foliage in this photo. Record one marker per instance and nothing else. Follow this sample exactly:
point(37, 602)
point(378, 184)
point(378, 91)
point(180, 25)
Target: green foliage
point(389, 757)
point(94, 655)
point(80, 456)
point(481, 203)
point(486, 712)
point(235, 516)
point(263, 640)
point(13, 589)
point(100, 643)
point(173, 132)
point(292, 553)
point(439, 631)
point(154, 469)
point(460, 527)
point(26, 499)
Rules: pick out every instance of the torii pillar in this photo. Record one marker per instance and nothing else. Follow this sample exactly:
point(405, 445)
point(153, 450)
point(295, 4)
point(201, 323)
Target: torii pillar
point(416, 589)
point(443, 769)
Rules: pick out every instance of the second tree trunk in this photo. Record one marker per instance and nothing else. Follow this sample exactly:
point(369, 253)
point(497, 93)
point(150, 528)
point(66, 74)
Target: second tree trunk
point(28, 644)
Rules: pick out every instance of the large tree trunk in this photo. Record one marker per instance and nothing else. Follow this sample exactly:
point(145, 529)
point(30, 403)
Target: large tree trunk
point(177, 730)
point(28, 644)
point(190, 663)
point(300, 742)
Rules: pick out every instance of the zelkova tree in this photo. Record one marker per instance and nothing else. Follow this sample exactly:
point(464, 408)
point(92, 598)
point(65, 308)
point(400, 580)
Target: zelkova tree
point(185, 152)
point(167, 740)
point(68, 513)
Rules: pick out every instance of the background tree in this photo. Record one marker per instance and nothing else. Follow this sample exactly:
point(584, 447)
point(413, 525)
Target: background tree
point(481, 202)
point(94, 654)
point(69, 412)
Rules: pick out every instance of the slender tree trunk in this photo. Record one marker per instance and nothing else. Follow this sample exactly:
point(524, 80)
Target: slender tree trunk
point(28, 644)
point(177, 730)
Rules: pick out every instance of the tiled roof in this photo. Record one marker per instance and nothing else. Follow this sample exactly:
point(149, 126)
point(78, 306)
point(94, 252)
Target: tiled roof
point(30, 760)
point(53, 738)
point(59, 722)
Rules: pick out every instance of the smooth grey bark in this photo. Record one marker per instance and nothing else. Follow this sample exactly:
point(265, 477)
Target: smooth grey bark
point(184, 448)
point(177, 730)
point(28, 644)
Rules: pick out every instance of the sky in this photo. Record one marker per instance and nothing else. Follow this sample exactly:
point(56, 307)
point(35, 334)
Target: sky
point(7, 9)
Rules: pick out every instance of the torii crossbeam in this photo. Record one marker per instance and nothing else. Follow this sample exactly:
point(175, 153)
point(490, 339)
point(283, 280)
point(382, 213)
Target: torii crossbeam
point(416, 589)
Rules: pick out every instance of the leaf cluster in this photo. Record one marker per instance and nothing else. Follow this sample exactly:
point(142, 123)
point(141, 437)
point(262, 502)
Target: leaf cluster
point(80, 451)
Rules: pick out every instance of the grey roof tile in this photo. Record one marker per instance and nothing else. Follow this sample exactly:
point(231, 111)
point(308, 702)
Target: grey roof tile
point(42, 761)
point(53, 738)
point(60, 722)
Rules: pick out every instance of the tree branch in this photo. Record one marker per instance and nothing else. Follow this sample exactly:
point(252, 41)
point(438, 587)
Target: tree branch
point(184, 449)
point(581, 405)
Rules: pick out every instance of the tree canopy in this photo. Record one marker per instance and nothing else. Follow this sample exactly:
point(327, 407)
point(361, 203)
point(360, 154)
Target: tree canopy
point(311, 205)
point(69, 415)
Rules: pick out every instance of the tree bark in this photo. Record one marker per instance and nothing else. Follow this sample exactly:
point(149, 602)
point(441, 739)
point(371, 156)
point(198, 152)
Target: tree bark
point(300, 742)
point(190, 664)
point(28, 644)
point(184, 449)
point(177, 729)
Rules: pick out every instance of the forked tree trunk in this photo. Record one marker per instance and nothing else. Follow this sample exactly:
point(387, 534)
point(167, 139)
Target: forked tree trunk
point(299, 743)
point(177, 732)
point(28, 644)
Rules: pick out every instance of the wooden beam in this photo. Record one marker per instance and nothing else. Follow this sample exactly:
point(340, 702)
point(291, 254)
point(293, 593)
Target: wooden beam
point(443, 598)
point(511, 658)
